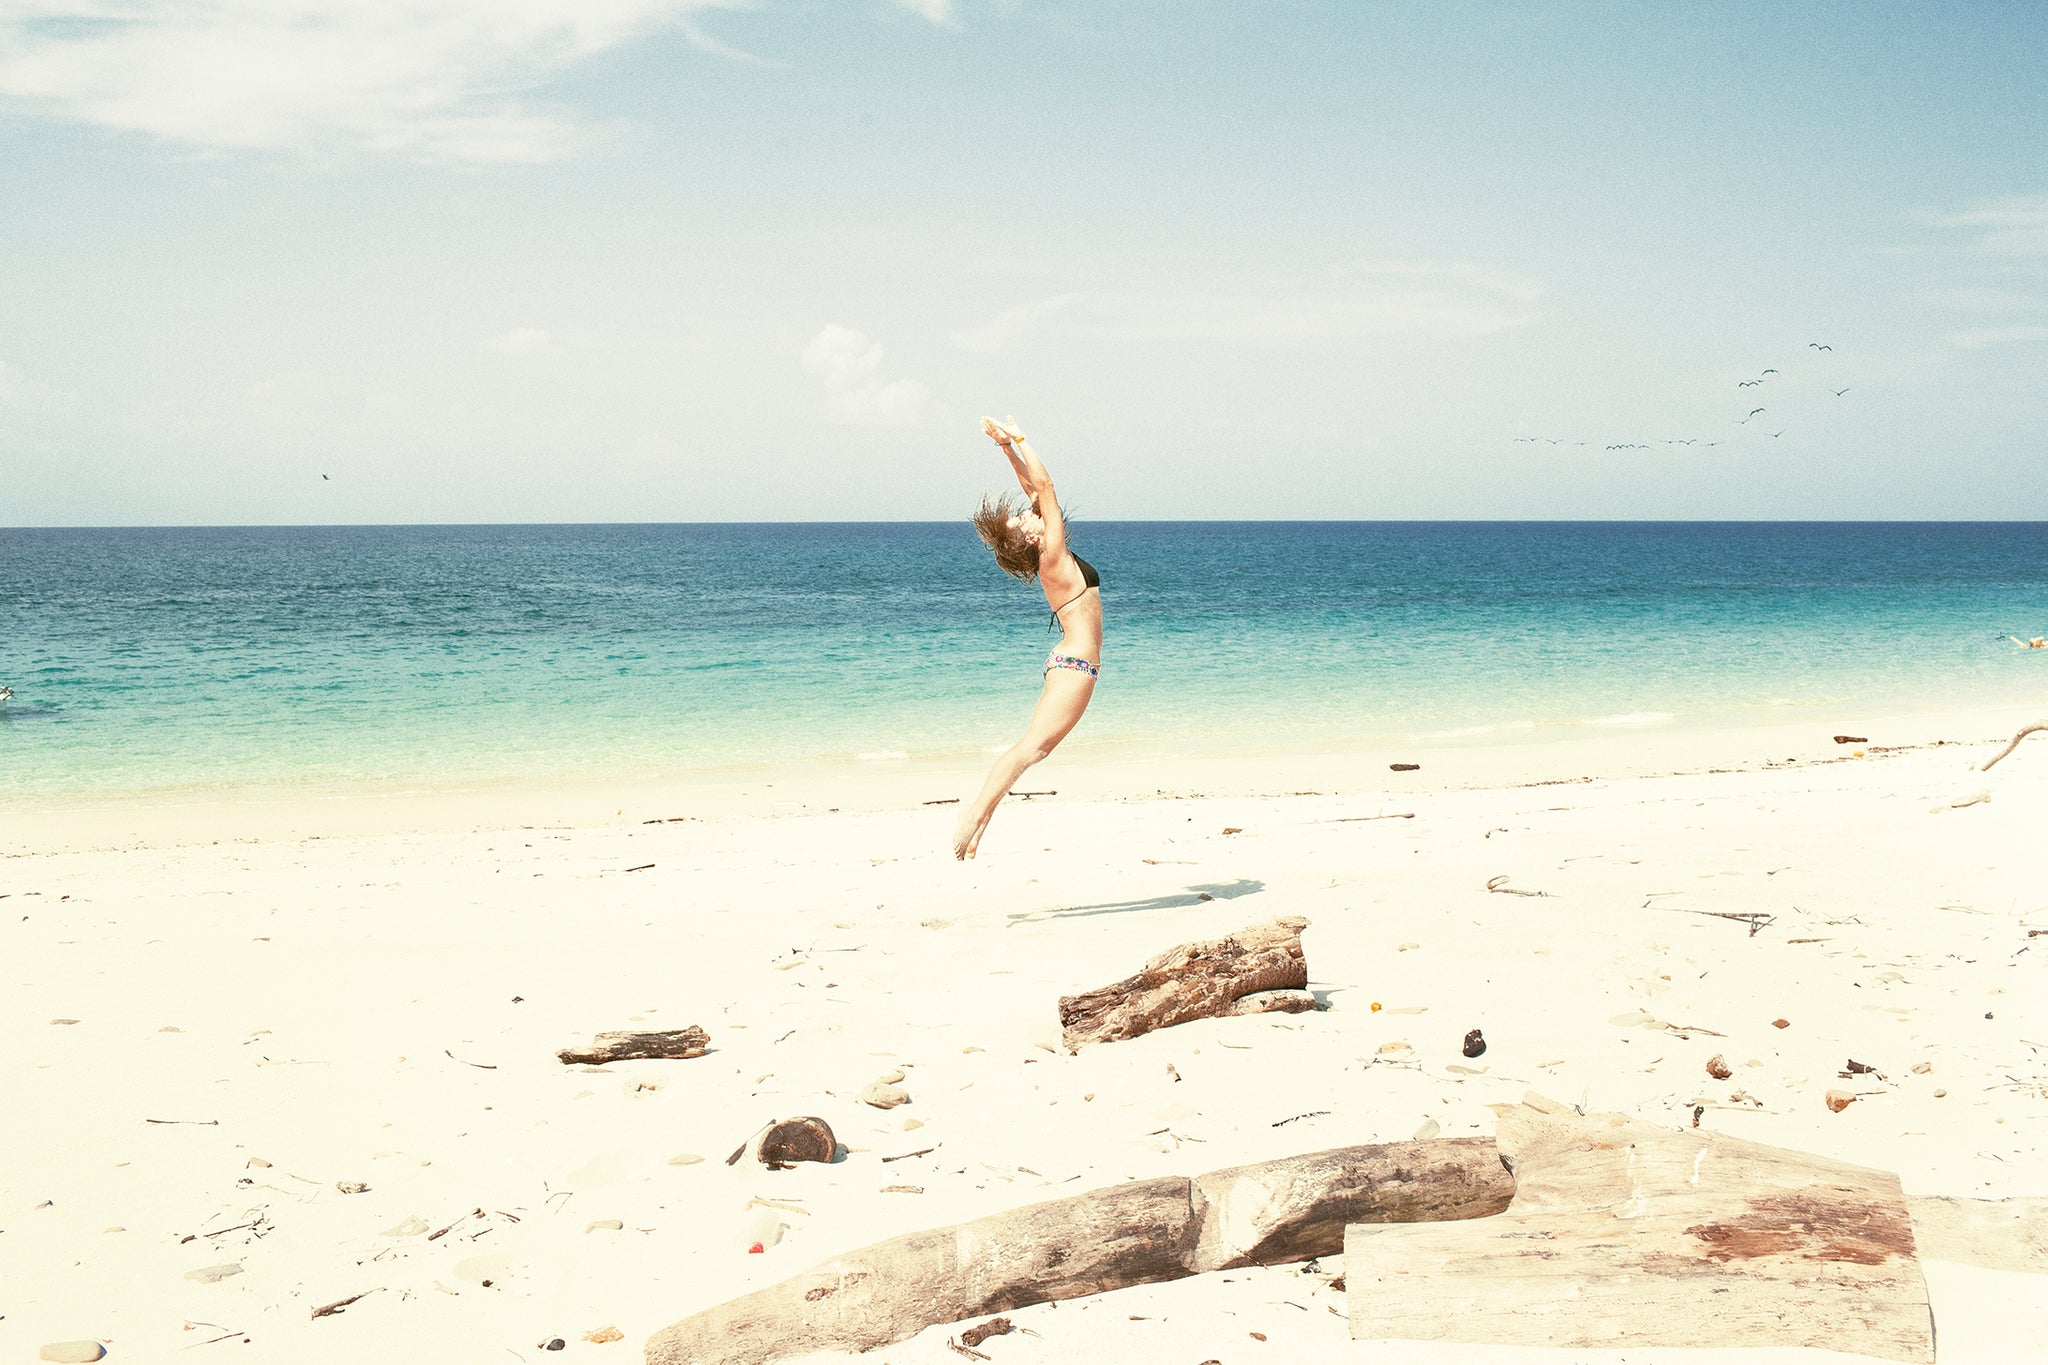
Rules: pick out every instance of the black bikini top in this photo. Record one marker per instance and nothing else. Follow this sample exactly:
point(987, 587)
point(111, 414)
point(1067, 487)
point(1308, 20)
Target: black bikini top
point(1089, 577)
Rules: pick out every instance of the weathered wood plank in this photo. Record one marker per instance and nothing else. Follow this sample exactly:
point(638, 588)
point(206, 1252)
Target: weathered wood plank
point(1623, 1234)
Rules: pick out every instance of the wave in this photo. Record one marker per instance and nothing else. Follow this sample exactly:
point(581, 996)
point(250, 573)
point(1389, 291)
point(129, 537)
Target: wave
point(1474, 731)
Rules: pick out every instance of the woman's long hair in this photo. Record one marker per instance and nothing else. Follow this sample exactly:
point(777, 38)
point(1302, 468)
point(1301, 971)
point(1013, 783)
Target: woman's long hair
point(998, 521)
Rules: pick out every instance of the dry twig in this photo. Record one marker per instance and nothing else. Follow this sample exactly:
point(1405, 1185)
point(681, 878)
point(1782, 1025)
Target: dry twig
point(339, 1304)
point(2025, 730)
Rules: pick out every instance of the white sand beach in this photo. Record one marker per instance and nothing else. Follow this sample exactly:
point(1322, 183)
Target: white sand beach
point(265, 1057)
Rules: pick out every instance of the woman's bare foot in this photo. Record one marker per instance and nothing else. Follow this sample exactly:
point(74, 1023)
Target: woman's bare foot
point(967, 833)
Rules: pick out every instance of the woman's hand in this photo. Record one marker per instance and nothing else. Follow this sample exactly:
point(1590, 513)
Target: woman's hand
point(1003, 433)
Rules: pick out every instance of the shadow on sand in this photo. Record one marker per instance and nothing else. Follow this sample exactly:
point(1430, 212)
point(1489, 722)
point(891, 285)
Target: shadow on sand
point(1181, 900)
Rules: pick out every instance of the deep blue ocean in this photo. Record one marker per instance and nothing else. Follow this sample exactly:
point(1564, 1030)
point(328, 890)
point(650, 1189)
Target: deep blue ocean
point(200, 659)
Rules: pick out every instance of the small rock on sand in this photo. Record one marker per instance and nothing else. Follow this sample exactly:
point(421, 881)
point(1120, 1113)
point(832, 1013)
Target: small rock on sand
point(1475, 1043)
point(351, 1186)
point(884, 1094)
point(604, 1334)
point(1838, 1100)
point(1429, 1129)
point(1718, 1068)
point(70, 1351)
point(213, 1274)
point(606, 1225)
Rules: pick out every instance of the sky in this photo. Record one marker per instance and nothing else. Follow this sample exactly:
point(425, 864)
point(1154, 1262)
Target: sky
point(367, 261)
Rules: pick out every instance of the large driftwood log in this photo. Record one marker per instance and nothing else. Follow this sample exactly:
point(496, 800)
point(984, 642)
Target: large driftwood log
point(1624, 1235)
point(629, 1046)
point(1136, 1233)
point(1252, 972)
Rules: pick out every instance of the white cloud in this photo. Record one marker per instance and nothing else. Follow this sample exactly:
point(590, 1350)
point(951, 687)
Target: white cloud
point(435, 79)
point(23, 394)
point(525, 341)
point(1987, 337)
point(648, 454)
point(851, 366)
point(1981, 300)
point(2016, 226)
point(1389, 298)
point(938, 11)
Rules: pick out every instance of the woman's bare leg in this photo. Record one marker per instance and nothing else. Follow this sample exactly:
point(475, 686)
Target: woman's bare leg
point(1059, 707)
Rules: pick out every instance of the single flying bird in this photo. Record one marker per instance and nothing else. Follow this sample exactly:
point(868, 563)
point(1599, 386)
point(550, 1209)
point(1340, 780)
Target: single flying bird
point(1838, 392)
point(1816, 346)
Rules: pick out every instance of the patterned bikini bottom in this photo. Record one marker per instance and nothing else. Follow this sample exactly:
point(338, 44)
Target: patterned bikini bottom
point(1059, 660)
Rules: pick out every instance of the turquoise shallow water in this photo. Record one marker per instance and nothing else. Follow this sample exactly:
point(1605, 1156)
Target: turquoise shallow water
point(153, 659)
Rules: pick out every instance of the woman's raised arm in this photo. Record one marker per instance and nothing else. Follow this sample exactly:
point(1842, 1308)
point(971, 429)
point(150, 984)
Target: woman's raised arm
point(1036, 482)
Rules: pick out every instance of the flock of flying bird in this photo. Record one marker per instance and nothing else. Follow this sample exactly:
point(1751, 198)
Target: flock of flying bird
point(1743, 421)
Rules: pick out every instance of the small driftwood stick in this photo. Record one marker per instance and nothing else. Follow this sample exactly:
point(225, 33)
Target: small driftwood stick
point(1255, 971)
point(1626, 1235)
point(629, 1046)
point(341, 1305)
point(2025, 730)
point(1139, 1232)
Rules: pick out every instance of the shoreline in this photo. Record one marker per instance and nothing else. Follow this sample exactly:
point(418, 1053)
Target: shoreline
point(1494, 756)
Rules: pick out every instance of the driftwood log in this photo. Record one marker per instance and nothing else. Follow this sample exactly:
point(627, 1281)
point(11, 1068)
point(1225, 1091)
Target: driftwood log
point(1254, 971)
point(630, 1046)
point(1625, 1235)
point(2014, 743)
point(1140, 1232)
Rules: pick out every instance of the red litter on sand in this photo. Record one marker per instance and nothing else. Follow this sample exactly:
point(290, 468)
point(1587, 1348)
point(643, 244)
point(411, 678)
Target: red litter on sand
point(761, 1231)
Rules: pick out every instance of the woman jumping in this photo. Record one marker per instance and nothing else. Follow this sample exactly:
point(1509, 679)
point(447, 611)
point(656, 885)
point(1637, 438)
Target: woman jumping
point(1029, 540)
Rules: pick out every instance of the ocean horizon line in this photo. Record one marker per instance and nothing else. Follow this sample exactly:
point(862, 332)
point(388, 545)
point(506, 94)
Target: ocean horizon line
point(1096, 521)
